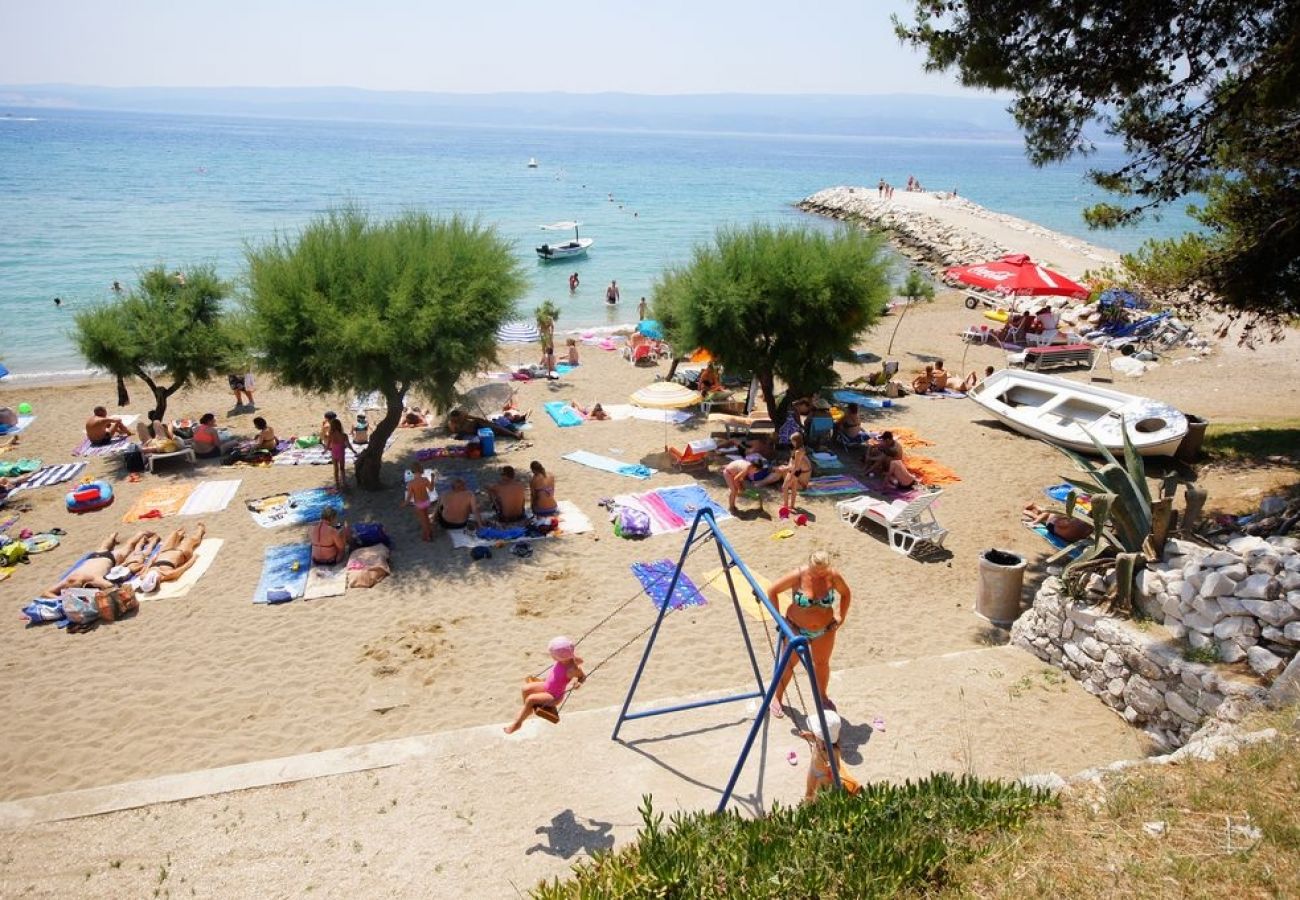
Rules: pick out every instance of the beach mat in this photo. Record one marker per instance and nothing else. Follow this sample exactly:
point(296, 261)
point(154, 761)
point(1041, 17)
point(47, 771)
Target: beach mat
point(563, 414)
point(655, 578)
point(19, 467)
point(210, 497)
point(617, 411)
point(165, 499)
point(832, 485)
point(326, 581)
point(931, 471)
point(908, 438)
point(943, 395)
point(297, 508)
point(1059, 493)
point(572, 521)
point(716, 581)
point(607, 464)
point(17, 428)
point(114, 448)
point(1056, 541)
point(686, 500)
point(51, 475)
point(204, 554)
point(278, 570)
point(864, 400)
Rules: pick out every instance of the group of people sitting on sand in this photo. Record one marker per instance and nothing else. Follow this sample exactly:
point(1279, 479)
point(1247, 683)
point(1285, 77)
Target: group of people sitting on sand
point(513, 501)
point(147, 557)
point(935, 379)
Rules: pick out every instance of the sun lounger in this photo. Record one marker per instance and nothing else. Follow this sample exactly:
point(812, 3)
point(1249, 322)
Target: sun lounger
point(733, 424)
point(689, 458)
point(1038, 358)
point(906, 522)
point(185, 453)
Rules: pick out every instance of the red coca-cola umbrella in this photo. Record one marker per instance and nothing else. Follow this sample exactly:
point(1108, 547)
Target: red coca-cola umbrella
point(1016, 273)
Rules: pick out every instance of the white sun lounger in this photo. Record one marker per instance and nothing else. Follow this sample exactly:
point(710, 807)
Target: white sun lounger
point(185, 453)
point(906, 522)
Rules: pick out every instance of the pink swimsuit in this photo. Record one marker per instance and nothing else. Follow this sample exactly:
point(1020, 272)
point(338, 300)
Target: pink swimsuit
point(558, 680)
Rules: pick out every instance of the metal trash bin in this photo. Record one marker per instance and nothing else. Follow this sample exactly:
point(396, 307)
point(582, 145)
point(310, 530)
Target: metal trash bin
point(1190, 448)
point(1001, 585)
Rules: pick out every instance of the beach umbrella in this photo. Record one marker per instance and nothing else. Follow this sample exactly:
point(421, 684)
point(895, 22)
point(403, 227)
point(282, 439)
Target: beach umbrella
point(518, 333)
point(651, 329)
point(665, 395)
point(1017, 274)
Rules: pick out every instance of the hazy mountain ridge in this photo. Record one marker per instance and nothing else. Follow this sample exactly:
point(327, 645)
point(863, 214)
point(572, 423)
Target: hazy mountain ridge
point(885, 115)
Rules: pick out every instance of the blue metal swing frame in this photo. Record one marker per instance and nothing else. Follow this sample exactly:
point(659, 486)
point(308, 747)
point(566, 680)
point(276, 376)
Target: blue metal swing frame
point(789, 645)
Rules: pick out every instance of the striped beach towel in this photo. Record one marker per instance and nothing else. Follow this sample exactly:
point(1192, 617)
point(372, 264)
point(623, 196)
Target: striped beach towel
point(830, 485)
point(52, 475)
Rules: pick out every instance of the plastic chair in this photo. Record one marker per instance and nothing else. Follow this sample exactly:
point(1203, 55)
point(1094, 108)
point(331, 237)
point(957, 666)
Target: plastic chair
point(906, 522)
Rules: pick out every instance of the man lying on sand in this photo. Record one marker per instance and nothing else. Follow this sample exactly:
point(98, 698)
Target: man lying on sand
point(93, 570)
point(104, 429)
point(1067, 528)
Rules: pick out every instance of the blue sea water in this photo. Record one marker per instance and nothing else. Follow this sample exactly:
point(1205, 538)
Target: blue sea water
point(87, 198)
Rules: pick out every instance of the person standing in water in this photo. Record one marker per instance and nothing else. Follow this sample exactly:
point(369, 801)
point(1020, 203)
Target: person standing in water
point(642, 310)
point(611, 293)
point(573, 283)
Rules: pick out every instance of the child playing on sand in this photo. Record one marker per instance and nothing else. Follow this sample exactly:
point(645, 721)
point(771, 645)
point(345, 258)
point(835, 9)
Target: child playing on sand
point(421, 496)
point(337, 442)
point(819, 770)
point(735, 473)
point(573, 351)
point(549, 693)
point(361, 430)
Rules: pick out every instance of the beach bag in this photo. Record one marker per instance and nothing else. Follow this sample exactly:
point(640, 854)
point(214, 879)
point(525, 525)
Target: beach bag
point(134, 459)
point(367, 534)
point(368, 566)
point(631, 523)
point(79, 606)
point(116, 602)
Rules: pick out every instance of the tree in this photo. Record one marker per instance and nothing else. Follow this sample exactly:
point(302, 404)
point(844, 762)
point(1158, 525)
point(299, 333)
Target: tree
point(914, 288)
point(1204, 96)
point(547, 315)
point(778, 302)
point(169, 331)
point(356, 305)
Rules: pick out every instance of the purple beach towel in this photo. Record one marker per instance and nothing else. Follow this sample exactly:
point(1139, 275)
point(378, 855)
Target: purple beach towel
point(655, 578)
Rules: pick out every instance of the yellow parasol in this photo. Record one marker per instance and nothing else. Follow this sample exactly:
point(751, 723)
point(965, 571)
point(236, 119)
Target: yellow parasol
point(665, 395)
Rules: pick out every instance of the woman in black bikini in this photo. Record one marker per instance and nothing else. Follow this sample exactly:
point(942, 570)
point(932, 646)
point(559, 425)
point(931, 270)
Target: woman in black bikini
point(811, 614)
point(542, 488)
point(173, 558)
point(798, 472)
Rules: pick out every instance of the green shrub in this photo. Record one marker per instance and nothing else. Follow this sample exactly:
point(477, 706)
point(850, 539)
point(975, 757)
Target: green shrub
point(889, 838)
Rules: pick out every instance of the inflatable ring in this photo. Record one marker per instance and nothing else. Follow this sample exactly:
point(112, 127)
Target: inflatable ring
point(90, 496)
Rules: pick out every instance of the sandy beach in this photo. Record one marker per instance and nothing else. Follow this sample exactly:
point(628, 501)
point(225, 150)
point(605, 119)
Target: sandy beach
point(213, 680)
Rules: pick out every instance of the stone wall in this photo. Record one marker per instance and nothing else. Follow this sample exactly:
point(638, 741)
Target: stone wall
point(1139, 672)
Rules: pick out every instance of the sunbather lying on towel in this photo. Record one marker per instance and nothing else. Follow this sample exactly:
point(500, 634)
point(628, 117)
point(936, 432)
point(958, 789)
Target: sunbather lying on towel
point(461, 423)
point(1067, 528)
point(93, 570)
point(174, 556)
point(8, 484)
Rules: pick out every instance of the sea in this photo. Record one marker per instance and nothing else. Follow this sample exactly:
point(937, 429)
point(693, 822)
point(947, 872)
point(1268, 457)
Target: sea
point(89, 198)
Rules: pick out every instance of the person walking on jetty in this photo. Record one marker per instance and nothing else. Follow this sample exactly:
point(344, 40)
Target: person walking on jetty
point(611, 293)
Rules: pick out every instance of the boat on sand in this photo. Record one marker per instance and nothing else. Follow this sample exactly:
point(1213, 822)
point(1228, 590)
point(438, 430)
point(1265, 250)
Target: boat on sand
point(1058, 411)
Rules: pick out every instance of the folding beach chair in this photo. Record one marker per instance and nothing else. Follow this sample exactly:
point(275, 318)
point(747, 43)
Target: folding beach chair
point(695, 456)
point(819, 430)
point(906, 522)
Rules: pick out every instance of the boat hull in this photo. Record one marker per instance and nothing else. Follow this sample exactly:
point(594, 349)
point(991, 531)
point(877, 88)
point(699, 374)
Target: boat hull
point(567, 250)
point(1064, 413)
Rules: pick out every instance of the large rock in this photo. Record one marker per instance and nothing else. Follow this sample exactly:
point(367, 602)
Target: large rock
point(1149, 582)
point(1285, 543)
point(1292, 631)
point(1181, 708)
point(1187, 592)
point(1231, 606)
point(1246, 543)
point(1266, 565)
point(1264, 662)
point(1271, 611)
point(1216, 584)
point(1290, 581)
point(1194, 575)
point(1199, 640)
point(1220, 558)
point(1197, 622)
point(1144, 698)
point(1256, 587)
point(1171, 607)
point(1209, 607)
point(1237, 571)
point(1230, 651)
point(1093, 647)
point(1236, 625)
point(1286, 689)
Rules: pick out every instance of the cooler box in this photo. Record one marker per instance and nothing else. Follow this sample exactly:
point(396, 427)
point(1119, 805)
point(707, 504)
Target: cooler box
point(487, 441)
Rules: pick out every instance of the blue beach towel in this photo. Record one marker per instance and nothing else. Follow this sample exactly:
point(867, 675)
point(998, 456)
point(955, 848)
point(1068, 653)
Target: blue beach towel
point(1056, 541)
point(279, 579)
point(688, 500)
point(655, 578)
point(606, 464)
point(298, 508)
point(563, 414)
point(847, 396)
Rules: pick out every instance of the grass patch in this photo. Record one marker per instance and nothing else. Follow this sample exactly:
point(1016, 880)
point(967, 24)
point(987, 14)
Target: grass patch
point(891, 838)
point(1221, 829)
point(1276, 441)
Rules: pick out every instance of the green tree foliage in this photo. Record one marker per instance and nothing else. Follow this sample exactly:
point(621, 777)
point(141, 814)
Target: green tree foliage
point(915, 287)
point(168, 331)
point(547, 315)
point(1205, 97)
point(353, 304)
point(778, 302)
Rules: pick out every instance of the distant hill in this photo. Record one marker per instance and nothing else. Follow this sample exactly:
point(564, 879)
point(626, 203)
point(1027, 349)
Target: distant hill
point(885, 115)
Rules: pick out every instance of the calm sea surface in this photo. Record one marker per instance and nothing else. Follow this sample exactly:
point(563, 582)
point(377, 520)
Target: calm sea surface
point(89, 198)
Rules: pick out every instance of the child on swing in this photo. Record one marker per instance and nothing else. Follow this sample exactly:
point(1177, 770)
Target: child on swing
point(819, 770)
point(550, 692)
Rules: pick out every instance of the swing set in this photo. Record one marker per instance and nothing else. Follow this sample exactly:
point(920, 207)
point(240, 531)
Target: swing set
point(789, 645)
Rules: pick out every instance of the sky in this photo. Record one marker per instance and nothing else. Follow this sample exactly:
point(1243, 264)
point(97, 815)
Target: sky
point(655, 47)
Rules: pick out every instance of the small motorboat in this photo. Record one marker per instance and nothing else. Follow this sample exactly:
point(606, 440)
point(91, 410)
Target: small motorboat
point(532, 162)
point(567, 249)
point(1058, 411)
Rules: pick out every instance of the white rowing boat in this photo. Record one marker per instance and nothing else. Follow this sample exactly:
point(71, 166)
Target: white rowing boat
point(1058, 410)
point(565, 249)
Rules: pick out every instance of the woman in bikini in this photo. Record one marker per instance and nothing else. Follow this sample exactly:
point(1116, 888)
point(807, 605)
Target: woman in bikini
point(542, 490)
point(816, 589)
point(174, 557)
point(798, 472)
point(92, 572)
point(329, 538)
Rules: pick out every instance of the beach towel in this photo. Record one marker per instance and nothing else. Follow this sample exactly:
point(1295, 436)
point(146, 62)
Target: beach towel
point(943, 395)
point(606, 464)
point(617, 411)
point(326, 581)
point(662, 517)
point(866, 401)
point(906, 437)
point(931, 471)
point(204, 554)
point(298, 508)
point(363, 402)
point(655, 578)
point(716, 581)
point(159, 502)
point(563, 414)
point(689, 499)
point(1056, 541)
point(318, 455)
point(113, 448)
point(210, 497)
point(827, 462)
point(442, 480)
point(572, 520)
point(51, 475)
point(19, 426)
point(831, 485)
point(284, 568)
point(1059, 492)
point(19, 467)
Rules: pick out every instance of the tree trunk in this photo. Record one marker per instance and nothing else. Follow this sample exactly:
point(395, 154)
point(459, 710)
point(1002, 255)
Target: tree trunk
point(370, 461)
point(768, 384)
point(123, 398)
point(897, 323)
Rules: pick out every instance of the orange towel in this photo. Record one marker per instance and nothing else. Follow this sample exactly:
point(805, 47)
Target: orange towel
point(931, 471)
point(161, 501)
point(909, 438)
